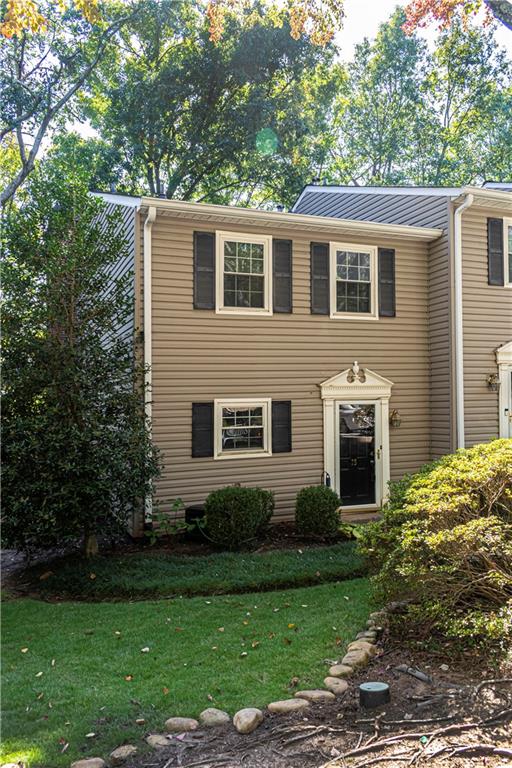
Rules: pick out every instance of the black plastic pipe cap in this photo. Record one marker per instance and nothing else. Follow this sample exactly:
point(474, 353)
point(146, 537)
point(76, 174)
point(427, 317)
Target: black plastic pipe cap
point(373, 694)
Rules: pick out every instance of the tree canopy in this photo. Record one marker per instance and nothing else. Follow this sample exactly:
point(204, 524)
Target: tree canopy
point(408, 116)
point(192, 119)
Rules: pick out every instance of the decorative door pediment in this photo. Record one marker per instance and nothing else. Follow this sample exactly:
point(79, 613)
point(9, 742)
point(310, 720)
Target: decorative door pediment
point(356, 382)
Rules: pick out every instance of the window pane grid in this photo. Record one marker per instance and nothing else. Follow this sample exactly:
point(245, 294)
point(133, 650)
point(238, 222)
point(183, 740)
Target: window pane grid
point(353, 282)
point(244, 274)
point(242, 429)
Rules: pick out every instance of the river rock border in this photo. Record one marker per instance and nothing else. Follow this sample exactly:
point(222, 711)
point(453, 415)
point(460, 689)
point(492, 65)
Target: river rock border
point(359, 653)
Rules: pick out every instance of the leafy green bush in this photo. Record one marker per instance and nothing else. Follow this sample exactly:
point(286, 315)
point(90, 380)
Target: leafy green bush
point(444, 544)
point(235, 515)
point(316, 511)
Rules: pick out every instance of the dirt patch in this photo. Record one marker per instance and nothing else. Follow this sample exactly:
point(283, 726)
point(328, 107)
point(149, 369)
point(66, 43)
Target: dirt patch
point(423, 724)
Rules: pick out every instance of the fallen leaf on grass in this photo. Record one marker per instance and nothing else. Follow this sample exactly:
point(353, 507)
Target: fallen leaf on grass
point(220, 629)
point(128, 678)
point(92, 576)
point(209, 697)
point(144, 650)
point(53, 662)
point(39, 674)
point(40, 696)
point(165, 690)
point(287, 641)
point(291, 626)
point(243, 654)
point(178, 629)
point(24, 650)
point(255, 643)
point(338, 641)
point(140, 721)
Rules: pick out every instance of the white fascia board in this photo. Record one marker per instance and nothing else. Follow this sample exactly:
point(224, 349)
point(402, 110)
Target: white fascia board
point(276, 220)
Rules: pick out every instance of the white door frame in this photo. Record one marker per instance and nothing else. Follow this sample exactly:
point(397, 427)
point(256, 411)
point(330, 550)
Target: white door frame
point(504, 360)
point(357, 385)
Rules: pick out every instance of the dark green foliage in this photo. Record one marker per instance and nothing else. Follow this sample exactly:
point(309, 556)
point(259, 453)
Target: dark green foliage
point(236, 515)
point(243, 119)
point(316, 511)
point(152, 574)
point(444, 543)
point(76, 455)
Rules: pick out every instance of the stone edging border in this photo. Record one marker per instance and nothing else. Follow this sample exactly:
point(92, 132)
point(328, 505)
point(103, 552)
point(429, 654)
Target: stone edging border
point(359, 654)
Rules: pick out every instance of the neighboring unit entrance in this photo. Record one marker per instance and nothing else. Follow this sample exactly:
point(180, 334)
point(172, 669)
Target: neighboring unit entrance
point(504, 360)
point(356, 453)
point(356, 436)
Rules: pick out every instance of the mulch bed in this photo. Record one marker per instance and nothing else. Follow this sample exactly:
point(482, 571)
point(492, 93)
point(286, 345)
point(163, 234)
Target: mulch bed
point(462, 718)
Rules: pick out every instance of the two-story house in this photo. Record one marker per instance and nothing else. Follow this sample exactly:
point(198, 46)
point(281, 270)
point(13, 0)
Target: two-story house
point(290, 349)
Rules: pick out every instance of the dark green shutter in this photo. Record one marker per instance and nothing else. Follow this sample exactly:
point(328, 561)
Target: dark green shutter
point(320, 278)
point(282, 275)
point(495, 252)
point(387, 302)
point(281, 426)
point(202, 430)
point(204, 270)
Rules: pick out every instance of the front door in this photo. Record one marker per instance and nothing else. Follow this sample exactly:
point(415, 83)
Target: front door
point(356, 454)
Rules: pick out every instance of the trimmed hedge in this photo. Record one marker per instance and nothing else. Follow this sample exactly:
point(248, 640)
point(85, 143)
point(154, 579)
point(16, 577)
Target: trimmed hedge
point(316, 511)
point(444, 544)
point(235, 515)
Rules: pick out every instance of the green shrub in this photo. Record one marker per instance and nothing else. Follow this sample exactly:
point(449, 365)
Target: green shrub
point(444, 544)
point(316, 511)
point(236, 515)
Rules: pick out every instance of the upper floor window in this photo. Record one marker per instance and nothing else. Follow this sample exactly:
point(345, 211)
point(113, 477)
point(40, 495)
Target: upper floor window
point(244, 275)
point(353, 281)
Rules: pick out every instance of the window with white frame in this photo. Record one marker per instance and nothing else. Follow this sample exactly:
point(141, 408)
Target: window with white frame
point(244, 276)
point(353, 281)
point(242, 428)
point(507, 223)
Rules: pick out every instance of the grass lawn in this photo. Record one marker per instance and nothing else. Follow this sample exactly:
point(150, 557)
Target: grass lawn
point(95, 678)
point(153, 575)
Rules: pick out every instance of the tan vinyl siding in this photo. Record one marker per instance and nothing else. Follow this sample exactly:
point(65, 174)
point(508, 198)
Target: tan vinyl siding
point(487, 313)
point(199, 356)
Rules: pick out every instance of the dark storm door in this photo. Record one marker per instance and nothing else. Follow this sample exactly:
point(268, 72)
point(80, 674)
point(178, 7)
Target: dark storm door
point(357, 454)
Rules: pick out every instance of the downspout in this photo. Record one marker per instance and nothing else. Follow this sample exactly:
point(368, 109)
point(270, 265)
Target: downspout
point(459, 328)
point(148, 333)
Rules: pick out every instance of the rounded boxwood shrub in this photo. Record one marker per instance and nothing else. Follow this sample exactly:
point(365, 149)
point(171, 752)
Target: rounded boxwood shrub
point(236, 515)
point(444, 544)
point(317, 511)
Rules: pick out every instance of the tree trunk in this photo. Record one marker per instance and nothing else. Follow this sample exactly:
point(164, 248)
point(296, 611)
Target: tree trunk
point(90, 545)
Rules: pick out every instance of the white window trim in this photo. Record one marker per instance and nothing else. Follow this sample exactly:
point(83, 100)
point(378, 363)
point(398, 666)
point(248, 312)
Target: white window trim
point(266, 404)
point(266, 241)
point(506, 224)
point(372, 250)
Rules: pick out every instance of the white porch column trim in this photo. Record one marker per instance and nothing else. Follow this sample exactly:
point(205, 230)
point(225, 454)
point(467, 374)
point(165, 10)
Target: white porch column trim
point(504, 361)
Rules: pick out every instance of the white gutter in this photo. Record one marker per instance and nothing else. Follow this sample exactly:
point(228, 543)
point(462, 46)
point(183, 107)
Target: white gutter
point(148, 347)
point(459, 329)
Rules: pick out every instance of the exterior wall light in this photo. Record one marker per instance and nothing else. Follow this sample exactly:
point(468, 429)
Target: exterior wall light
point(493, 382)
point(394, 418)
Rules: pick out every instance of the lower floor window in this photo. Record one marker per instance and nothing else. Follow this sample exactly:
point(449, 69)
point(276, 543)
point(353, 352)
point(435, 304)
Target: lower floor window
point(241, 427)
